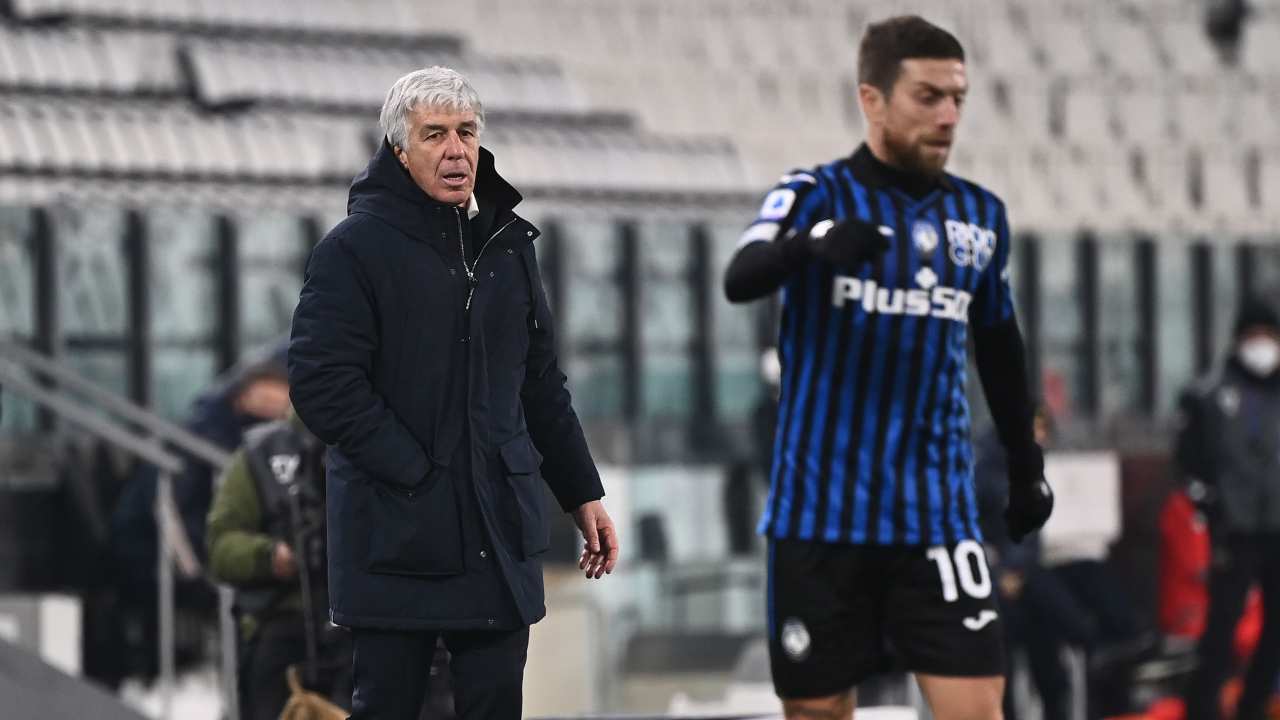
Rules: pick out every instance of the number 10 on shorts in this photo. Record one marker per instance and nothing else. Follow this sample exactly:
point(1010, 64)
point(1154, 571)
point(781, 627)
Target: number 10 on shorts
point(968, 560)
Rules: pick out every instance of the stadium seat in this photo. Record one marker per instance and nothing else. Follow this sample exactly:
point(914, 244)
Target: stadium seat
point(1144, 109)
point(1226, 191)
point(1041, 203)
point(21, 65)
point(1269, 186)
point(11, 141)
point(1066, 40)
point(1186, 44)
point(32, 153)
point(1088, 112)
point(1124, 40)
point(1254, 113)
point(141, 62)
point(1029, 105)
point(1260, 50)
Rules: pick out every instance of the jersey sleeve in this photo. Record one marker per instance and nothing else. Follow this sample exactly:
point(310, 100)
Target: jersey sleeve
point(993, 299)
point(795, 203)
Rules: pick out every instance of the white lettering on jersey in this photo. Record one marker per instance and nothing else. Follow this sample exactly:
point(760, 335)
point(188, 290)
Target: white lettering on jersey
point(969, 245)
point(940, 302)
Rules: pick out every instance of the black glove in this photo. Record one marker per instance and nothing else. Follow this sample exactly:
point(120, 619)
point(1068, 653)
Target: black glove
point(1030, 498)
point(847, 243)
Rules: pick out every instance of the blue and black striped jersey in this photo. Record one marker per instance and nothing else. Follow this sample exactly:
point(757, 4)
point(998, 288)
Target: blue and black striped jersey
point(872, 443)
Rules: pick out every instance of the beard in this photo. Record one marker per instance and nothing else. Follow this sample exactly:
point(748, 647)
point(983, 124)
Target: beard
point(911, 156)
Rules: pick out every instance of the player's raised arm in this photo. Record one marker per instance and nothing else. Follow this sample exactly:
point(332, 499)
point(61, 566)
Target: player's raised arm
point(770, 249)
point(794, 227)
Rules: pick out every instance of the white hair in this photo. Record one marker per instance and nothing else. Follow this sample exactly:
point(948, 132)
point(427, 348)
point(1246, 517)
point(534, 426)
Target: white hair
point(433, 87)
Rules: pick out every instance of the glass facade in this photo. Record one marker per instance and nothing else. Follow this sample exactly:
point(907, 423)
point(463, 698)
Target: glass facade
point(592, 325)
point(1175, 320)
point(635, 298)
point(271, 251)
point(1062, 325)
point(737, 357)
point(1119, 326)
point(666, 319)
point(17, 272)
point(92, 272)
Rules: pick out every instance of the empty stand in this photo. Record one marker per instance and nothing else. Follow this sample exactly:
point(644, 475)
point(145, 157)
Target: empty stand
point(726, 93)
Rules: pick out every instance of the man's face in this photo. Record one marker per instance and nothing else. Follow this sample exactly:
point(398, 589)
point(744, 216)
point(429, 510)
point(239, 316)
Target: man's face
point(443, 147)
point(918, 119)
point(264, 399)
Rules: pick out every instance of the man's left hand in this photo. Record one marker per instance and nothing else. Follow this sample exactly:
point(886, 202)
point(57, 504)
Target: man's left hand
point(601, 552)
point(1030, 504)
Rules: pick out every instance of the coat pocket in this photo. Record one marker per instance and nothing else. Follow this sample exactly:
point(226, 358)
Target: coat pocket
point(522, 461)
point(415, 530)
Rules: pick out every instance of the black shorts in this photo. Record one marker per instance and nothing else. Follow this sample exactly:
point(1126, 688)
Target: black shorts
point(839, 613)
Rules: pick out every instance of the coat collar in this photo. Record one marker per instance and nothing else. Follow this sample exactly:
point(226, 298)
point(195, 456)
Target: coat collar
point(386, 191)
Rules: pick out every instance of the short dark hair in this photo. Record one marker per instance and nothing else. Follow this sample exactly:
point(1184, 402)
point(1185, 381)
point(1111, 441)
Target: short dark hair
point(887, 43)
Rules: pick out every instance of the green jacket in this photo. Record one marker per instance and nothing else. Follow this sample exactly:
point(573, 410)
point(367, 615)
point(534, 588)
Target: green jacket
point(240, 548)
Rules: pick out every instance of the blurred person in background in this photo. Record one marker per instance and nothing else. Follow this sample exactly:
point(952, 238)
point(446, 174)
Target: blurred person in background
point(887, 263)
point(1229, 447)
point(253, 392)
point(266, 539)
point(1047, 608)
point(423, 354)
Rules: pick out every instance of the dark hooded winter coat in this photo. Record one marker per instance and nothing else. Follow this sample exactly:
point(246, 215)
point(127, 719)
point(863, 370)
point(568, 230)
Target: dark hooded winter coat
point(439, 399)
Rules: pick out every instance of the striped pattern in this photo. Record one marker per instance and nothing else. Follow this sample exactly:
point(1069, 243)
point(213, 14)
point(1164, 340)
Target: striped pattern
point(872, 443)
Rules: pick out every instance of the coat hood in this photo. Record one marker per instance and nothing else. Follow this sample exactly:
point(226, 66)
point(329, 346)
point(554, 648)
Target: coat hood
point(387, 191)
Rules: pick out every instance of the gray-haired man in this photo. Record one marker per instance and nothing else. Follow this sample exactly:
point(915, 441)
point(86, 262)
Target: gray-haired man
point(422, 353)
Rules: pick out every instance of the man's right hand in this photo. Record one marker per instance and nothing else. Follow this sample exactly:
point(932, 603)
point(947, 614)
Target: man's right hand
point(283, 565)
point(849, 242)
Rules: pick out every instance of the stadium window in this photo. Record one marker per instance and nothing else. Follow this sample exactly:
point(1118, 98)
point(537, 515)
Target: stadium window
point(1086, 261)
point(269, 255)
point(666, 319)
point(1246, 260)
point(90, 284)
point(550, 252)
point(1147, 287)
point(593, 316)
point(1062, 327)
point(17, 300)
point(1119, 328)
point(1265, 268)
point(1175, 321)
point(1202, 282)
point(1226, 289)
point(17, 273)
point(1025, 278)
point(181, 248)
point(739, 387)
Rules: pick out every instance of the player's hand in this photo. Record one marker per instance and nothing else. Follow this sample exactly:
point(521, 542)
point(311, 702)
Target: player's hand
point(1030, 504)
point(848, 242)
point(600, 553)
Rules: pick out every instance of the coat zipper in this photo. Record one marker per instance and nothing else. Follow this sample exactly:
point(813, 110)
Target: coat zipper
point(470, 270)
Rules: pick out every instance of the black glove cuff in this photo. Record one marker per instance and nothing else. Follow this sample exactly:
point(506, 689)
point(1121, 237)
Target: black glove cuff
point(1026, 465)
point(795, 248)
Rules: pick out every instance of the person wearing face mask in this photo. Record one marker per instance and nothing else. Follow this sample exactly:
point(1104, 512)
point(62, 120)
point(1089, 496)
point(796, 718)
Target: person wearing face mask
point(1229, 449)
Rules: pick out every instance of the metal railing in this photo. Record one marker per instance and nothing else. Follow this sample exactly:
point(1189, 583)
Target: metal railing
point(148, 437)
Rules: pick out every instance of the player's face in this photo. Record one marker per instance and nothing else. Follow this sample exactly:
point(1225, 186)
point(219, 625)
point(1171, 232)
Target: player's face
point(919, 117)
point(443, 146)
